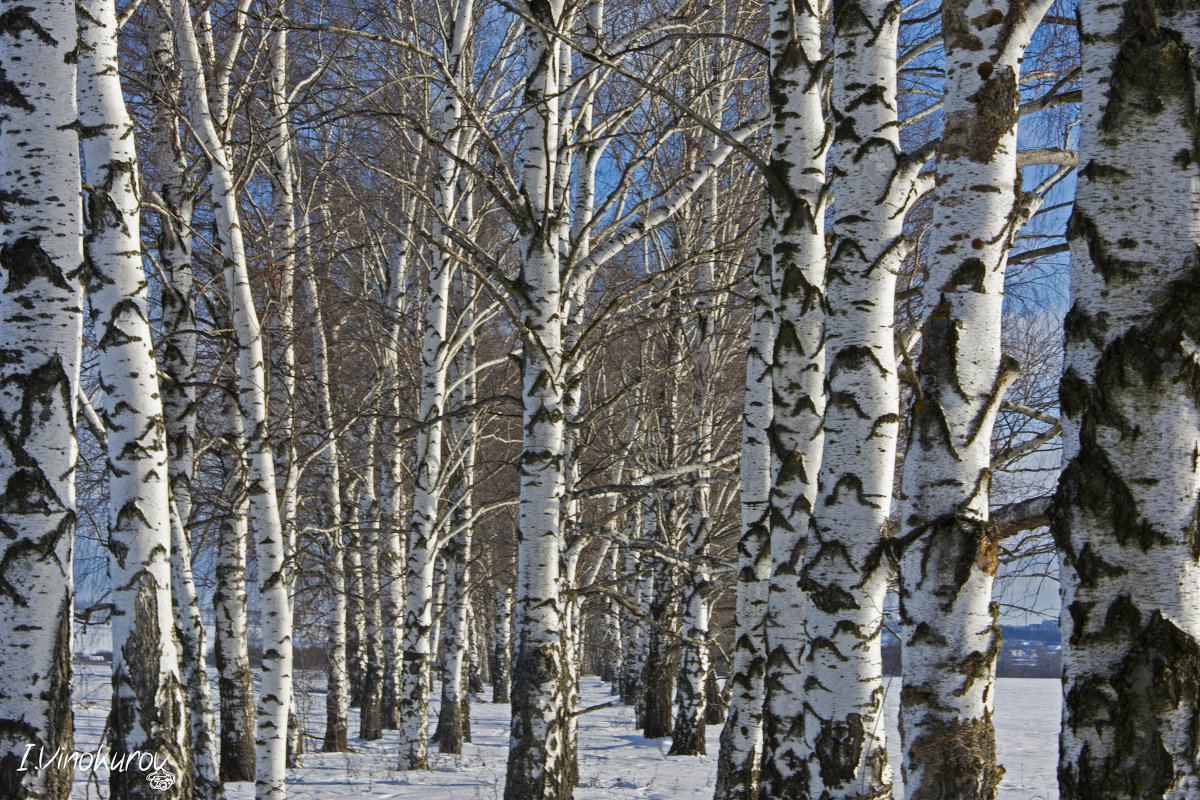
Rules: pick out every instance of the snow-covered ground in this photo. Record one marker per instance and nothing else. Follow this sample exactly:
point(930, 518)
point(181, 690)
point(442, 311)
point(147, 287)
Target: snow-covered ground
point(614, 761)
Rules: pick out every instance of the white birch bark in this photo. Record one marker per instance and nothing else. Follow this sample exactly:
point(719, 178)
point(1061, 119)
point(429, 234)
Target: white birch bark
point(357, 545)
point(453, 714)
point(177, 381)
point(540, 751)
point(739, 759)
point(283, 254)
point(796, 220)
point(1125, 512)
point(660, 663)
point(372, 533)
point(612, 645)
point(392, 564)
point(479, 671)
point(631, 630)
point(439, 608)
point(419, 637)
point(452, 726)
point(691, 691)
point(175, 254)
point(948, 629)
point(192, 661)
point(271, 733)
point(337, 700)
point(147, 711)
point(848, 569)
point(413, 700)
point(41, 326)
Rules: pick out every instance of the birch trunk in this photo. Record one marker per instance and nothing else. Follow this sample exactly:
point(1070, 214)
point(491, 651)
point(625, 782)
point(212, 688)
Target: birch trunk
point(422, 543)
point(848, 569)
point(541, 751)
point(354, 585)
point(795, 220)
point(631, 630)
point(392, 564)
point(147, 711)
point(41, 250)
point(283, 254)
point(439, 608)
point(1125, 511)
point(192, 656)
point(177, 386)
point(336, 692)
point(659, 666)
point(272, 722)
point(452, 725)
point(691, 690)
point(691, 716)
point(612, 643)
point(175, 254)
point(502, 647)
point(235, 682)
point(479, 673)
point(453, 714)
point(948, 629)
point(371, 713)
point(738, 762)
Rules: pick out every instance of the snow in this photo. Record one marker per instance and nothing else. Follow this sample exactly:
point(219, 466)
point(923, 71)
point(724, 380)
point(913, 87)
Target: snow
point(614, 760)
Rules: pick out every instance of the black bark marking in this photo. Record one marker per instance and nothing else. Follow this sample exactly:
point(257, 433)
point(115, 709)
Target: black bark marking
point(1159, 677)
point(24, 260)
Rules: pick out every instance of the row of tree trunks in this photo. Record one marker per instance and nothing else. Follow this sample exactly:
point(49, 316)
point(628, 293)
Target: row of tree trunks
point(264, 517)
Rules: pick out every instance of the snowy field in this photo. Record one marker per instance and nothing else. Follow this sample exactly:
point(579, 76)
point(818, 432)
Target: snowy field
point(614, 761)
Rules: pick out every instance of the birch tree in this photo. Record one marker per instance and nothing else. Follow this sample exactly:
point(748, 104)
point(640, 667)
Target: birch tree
point(371, 712)
point(393, 549)
point(272, 718)
point(738, 762)
point(177, 385)
point(337, 691)
point(796, 225)
point(848, 568)
point(1125, 512)
point(949, 634)
point(540, 750)
point(235, 682)
point(283, 253)
point(147, 711)
point(502, 646)
point(41, 322)
point(454, 712)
